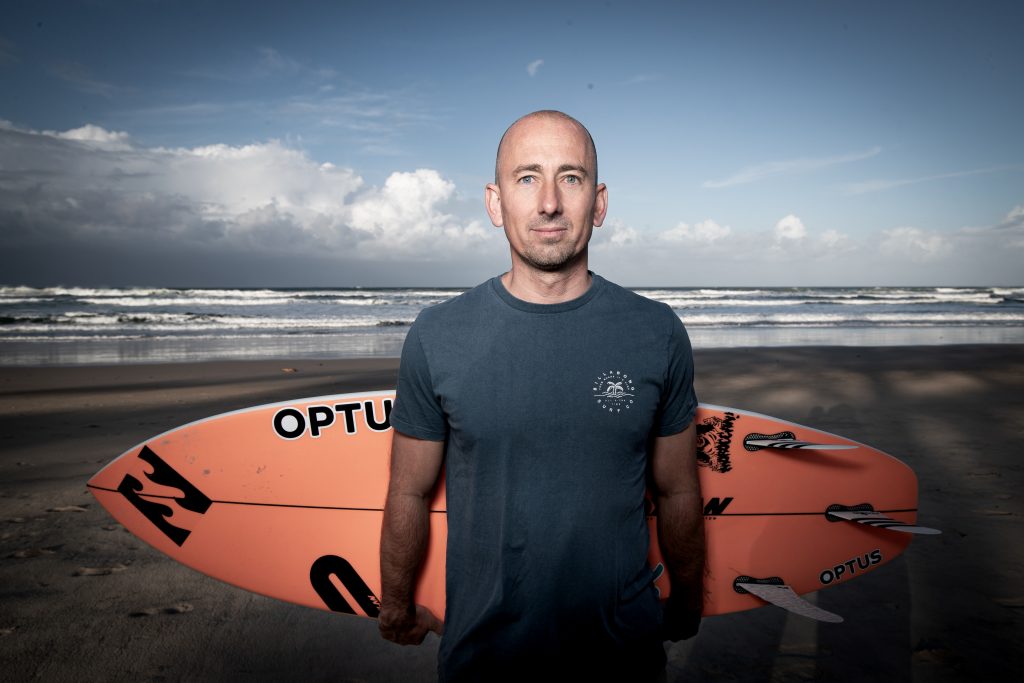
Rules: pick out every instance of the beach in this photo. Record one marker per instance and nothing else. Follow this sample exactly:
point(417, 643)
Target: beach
point(83, 600)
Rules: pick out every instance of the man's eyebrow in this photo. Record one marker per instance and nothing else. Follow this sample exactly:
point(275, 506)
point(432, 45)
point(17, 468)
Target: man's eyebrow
point(522, 168)
point(537, 168)
point(573, 167)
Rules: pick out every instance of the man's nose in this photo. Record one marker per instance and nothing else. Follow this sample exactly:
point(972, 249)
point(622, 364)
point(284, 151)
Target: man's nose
point(550, 199)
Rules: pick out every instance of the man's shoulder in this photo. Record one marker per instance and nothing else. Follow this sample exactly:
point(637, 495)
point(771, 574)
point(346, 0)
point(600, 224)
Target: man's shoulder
point(629, 301)
point(465, 306)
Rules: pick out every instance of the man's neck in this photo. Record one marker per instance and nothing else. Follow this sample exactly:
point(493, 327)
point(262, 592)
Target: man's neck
point(547, 287)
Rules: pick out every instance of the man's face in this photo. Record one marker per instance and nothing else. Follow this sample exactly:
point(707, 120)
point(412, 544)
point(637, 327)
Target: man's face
point(546, 198)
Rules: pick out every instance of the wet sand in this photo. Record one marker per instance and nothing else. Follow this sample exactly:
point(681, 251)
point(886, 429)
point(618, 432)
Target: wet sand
point(83, 600)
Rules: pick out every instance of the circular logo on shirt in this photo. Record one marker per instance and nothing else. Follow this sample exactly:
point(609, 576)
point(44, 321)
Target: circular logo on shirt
point(613, 391)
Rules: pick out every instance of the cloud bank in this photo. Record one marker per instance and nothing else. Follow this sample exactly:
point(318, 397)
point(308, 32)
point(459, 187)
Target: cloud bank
point(76, 205)
point(93, 185)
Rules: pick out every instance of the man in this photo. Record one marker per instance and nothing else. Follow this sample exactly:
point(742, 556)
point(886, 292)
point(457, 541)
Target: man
point(552, 397)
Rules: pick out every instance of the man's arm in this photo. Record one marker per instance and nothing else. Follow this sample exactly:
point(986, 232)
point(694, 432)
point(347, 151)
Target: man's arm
point(680, 529)
point(415, 465)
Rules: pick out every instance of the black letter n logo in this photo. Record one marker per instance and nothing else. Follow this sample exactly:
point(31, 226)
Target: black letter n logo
point(163, 474)
point(716, 506)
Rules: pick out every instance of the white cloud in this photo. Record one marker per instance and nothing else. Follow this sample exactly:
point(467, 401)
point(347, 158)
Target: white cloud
point(1016, 216)
point(374, 120)
point(835, 241)
point(614, 233)
point(790, 228)
point(533, 66)
point(94, 135)
point(637, 79)
point(879, 185)
point(623, 235)
point(92, 184)
point(1009, 232)
point(273, 61)
point(760, 171)
point(914, 244)
point(707, 232)
point(1013, 225)
point(404, 215)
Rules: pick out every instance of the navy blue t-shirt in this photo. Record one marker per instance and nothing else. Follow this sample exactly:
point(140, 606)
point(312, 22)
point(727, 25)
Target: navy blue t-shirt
point(547, 411)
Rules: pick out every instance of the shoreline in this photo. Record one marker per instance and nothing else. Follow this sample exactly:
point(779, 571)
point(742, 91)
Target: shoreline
point(950, 608)
point(387, 342)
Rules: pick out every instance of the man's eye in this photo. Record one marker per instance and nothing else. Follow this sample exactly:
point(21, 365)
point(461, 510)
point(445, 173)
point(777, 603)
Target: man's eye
point(526, 179)
point(572, 179)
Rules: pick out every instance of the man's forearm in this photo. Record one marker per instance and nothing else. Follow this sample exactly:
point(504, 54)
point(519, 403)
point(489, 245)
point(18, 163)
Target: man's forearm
point(415, 464)
point(403, 544)
point(681, 539)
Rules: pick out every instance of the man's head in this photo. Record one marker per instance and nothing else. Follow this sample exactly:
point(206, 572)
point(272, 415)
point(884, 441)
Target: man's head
point(545, 193)
point(554, 115)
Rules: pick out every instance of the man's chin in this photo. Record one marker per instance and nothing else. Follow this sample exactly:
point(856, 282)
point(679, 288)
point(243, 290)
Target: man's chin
point(550, 263)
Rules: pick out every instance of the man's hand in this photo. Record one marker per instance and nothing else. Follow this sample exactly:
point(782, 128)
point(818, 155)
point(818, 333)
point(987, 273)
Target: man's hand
point(681, 618)
point(408, 627)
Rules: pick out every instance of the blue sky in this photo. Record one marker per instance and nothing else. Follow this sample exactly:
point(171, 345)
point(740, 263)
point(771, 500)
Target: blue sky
point(339, 143)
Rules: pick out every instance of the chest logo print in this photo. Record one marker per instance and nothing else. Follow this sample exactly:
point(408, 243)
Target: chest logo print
point(614, 391)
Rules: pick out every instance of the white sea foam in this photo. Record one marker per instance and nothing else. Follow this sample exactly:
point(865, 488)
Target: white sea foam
point(184, 324)
point(787, 319)
point(258, 321)
point(786, 297)
point(150, 302)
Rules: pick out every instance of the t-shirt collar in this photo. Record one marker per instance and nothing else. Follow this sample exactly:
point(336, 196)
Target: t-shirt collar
point(597, 284)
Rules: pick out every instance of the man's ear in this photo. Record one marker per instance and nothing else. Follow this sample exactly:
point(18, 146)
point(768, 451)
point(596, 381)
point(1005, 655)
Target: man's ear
point(600, 205)
point(492, 202)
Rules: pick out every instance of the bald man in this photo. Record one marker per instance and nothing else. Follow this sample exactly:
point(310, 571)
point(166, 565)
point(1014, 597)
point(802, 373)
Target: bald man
point(552, 397)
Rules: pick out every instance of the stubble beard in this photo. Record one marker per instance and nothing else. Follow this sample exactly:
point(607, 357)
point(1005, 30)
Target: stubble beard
point(552, 257)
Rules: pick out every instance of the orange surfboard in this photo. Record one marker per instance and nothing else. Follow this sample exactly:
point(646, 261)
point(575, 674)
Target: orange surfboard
point(286, 500)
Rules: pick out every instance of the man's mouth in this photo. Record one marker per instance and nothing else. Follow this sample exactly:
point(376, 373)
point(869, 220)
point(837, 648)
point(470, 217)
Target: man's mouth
point(549, 230)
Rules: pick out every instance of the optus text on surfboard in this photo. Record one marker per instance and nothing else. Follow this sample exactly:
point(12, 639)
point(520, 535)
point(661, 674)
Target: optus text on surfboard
point(291, 423)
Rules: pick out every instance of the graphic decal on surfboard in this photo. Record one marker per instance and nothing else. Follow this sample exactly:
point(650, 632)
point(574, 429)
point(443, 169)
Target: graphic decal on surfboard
point(847, 569)
point(328, 566)
point(191, 498)
point(714, 438)
point(287, 500)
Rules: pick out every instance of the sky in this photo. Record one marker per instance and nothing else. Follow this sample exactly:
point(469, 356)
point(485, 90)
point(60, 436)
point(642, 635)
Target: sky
point(251, 144)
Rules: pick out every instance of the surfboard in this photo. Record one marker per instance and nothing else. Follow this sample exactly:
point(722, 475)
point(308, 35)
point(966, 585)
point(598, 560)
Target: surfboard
point(287, 500)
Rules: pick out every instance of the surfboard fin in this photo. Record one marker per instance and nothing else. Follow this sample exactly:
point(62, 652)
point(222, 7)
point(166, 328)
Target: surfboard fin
point(776, 592)
point(788, 440)
point(865, 514)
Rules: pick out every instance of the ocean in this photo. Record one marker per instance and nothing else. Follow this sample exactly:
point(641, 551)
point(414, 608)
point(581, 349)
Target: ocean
point(77, 325)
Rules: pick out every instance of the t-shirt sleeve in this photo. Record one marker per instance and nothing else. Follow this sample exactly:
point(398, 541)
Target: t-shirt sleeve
point(417, 412)
point(679, 399)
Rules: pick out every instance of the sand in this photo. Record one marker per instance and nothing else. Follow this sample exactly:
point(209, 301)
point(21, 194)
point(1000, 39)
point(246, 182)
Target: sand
point(83, 600)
